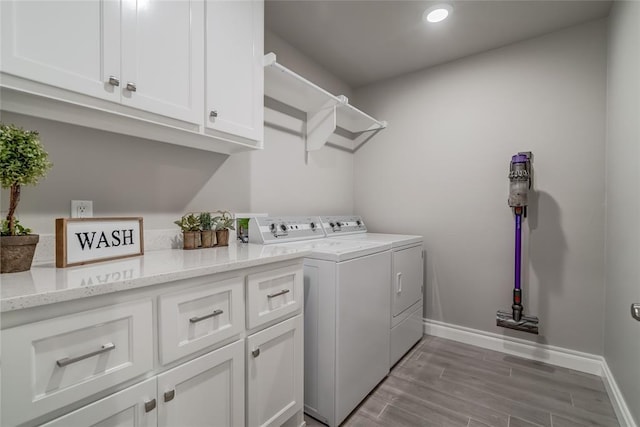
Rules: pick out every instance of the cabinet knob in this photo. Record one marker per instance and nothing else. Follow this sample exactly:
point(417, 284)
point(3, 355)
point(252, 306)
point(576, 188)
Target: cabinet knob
point(150, 405)
point(256, 352)
point(169, 395)
point(131, 87)
point(113, 81)
point(213, 113)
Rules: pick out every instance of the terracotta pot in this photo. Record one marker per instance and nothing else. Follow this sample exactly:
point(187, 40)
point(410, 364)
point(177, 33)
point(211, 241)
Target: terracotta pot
point(206, 237)
point(17, 252)
point(222, 237)
point(190, 239)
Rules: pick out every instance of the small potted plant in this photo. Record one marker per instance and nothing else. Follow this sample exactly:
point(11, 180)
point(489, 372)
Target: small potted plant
point(206, 233)
point(23, 161)
point(190, 226)
point(223, 224)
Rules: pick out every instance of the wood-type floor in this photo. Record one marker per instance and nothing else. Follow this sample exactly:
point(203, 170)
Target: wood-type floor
point(447, 383)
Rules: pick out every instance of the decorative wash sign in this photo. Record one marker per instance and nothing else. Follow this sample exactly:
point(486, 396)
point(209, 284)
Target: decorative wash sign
point(85, 240)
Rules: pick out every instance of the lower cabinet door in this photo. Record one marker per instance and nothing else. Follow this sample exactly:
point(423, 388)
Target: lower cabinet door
point(275, 373)
point(207, 391)
point(131, 407)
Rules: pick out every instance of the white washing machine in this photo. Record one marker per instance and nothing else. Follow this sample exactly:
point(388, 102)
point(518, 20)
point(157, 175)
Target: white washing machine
point(346, 313)
point(406, 278)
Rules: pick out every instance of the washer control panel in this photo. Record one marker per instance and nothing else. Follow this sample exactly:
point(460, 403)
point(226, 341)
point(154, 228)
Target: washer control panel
point(265, 230)
point(343, 224)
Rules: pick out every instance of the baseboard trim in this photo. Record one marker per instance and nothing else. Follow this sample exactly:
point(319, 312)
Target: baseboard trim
point(615, 394)
point(583, 362)
point(558, 356)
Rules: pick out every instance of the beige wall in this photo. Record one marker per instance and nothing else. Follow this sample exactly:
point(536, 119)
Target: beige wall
point(622, 332)
point(440, 170)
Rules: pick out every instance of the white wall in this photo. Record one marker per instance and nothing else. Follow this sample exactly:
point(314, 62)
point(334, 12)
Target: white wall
point(127, 176)
point(282, 180)
point(440, 170)
point(297, 61)
point(622, 333)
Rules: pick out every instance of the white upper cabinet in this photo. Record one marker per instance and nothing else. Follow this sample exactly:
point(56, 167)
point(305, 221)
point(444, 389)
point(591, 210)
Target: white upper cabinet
point(145, 54)
point(234, 68)
point(188, 72)
point(163, 57)
point(71, 45)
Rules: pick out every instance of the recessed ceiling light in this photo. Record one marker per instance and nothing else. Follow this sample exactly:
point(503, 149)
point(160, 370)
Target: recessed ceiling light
point(437, 13)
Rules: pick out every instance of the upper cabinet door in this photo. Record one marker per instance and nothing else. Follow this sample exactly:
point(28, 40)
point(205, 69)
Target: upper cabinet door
point(234, 67)
point(73, 45)
point(163, 57)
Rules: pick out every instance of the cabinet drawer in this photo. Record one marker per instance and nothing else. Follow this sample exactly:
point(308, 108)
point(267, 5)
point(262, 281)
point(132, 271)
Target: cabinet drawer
point(273, 294)
point(56, 362)
point(195, 318)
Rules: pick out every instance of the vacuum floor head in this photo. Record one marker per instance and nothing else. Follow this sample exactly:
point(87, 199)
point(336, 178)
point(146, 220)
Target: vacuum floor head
point(526, 324)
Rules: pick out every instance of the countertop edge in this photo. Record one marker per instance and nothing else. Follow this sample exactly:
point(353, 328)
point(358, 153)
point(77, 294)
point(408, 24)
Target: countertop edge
point(9, 304)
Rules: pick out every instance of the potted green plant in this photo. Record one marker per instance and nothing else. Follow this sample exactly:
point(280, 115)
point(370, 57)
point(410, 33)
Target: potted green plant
point(23, 161)
point(190, 226)
point(223, 224)
point(206, 233)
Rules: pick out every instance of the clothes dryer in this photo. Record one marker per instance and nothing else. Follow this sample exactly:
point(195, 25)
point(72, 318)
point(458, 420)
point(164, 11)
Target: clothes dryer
point(406, 281)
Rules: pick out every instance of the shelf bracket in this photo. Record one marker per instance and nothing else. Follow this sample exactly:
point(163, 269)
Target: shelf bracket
point(320, 125)
point(367, 134)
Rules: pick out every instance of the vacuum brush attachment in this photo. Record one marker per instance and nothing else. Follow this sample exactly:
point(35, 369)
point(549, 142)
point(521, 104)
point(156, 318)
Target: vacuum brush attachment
point(529, 324)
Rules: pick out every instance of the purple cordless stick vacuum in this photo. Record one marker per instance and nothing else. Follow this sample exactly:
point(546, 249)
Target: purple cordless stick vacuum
point(519, 186)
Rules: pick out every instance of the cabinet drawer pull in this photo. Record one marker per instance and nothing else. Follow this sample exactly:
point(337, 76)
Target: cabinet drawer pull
point(256, 352)
point(113, 81)
point(277, 294)
point(169, 395)
point(131, 87)
point(198, 319)
point(150, 405)
point(69, 360)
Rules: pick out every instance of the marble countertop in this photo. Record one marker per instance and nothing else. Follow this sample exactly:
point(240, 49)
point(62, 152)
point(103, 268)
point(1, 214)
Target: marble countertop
point(46, 284)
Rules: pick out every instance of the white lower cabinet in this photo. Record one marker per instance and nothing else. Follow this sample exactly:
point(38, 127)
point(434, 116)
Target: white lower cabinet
point(56, 362)
point(275, 373)
point(179, 355)
point(131, 407)
point(207, 391)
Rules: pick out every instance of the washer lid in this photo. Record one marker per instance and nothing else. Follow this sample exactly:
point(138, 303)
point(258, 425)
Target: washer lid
point(339, 250)
point(396, 240)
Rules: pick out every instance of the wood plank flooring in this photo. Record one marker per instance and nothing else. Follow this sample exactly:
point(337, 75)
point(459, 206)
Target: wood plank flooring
point(447, 383)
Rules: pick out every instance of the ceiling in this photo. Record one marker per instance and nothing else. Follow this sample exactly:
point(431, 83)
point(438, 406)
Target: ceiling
point(364, 41)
